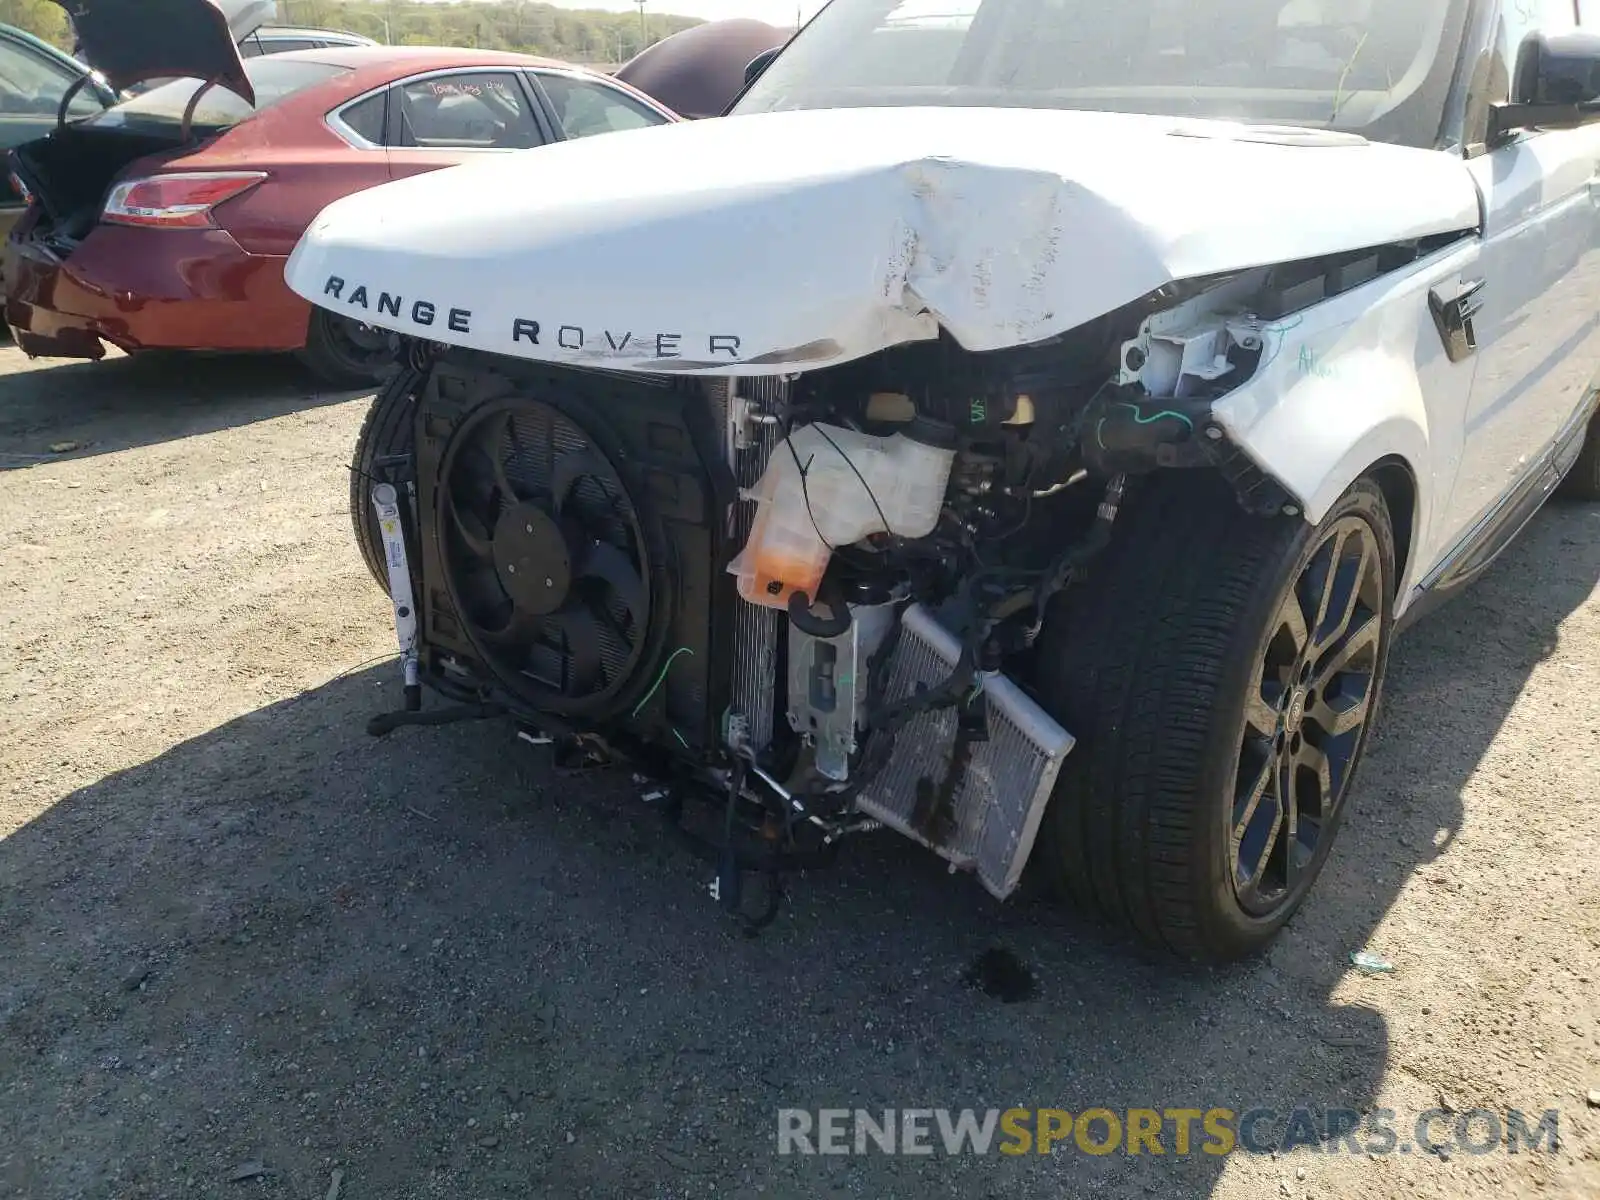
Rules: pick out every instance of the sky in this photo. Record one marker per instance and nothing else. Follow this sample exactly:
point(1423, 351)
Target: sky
point(774, 12)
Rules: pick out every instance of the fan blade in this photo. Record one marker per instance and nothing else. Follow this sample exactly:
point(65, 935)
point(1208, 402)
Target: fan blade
point(514, 640)
point(605, 562)
point(497, 447)
point(471, 529)
point(568, 470)
point(581, 633)
point(479, 583)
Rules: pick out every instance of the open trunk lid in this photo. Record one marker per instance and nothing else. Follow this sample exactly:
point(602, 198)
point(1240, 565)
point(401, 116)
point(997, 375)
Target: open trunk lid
point(130, 41)
point(70, 172)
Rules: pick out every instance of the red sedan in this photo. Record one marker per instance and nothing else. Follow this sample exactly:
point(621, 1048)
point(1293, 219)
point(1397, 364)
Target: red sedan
point(166, 220)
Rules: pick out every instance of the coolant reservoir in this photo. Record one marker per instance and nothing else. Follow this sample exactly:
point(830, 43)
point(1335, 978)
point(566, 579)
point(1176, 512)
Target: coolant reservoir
point(825, 486)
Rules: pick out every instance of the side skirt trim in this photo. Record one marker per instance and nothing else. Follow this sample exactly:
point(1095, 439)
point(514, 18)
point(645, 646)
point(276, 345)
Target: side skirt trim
point(1476, 552)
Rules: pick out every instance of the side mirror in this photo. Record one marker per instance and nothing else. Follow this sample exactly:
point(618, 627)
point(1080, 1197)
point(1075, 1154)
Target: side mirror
point(1556, 86)
point(758, 64)
point(1561, 68)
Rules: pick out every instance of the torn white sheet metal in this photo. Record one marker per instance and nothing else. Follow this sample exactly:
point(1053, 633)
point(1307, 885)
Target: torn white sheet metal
point(790, 241)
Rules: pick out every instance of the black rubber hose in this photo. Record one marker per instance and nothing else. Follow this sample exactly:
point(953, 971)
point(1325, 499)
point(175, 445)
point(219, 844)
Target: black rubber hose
point(386, 723)
point(805, 618)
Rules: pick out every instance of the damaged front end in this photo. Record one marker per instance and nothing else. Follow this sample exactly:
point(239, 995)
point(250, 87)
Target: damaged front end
point(808, 585)
point(813, 598)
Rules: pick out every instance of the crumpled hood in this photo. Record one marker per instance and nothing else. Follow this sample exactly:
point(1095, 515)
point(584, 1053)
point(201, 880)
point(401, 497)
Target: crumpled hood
point(130, 41)
point(786, 241)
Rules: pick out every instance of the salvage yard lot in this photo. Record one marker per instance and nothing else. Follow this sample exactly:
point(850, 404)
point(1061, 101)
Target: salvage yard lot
point(236, 932)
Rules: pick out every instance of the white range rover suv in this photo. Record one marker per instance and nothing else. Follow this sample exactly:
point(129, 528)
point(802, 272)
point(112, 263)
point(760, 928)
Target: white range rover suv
point(1022, 424)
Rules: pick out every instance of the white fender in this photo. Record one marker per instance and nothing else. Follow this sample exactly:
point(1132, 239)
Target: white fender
point(1358, 379)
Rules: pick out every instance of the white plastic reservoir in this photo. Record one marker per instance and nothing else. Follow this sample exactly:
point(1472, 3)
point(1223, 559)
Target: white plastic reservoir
point(824, 487)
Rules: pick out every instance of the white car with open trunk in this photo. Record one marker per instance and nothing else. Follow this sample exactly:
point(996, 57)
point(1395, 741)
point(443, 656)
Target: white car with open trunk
point(1023, 424)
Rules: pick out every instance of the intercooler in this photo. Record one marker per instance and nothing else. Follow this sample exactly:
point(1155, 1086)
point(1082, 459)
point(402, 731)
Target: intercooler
point(756, 629)
point(1000, 799)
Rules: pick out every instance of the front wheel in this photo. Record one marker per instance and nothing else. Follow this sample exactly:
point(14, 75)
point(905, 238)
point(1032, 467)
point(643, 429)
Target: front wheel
point(1221, 672)
point(345, 353)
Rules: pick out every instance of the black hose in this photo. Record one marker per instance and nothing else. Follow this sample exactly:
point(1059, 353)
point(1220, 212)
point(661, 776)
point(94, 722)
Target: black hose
point(386, 723)
point(805, 619)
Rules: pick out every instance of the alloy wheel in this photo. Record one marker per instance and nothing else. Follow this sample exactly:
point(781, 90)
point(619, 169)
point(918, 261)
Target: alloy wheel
point(1305, 716)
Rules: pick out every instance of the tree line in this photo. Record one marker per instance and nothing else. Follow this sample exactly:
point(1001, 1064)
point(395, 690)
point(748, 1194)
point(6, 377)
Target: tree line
point(521, 25)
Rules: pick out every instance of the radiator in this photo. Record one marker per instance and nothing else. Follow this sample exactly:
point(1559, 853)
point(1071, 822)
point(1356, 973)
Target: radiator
point(1002, 797)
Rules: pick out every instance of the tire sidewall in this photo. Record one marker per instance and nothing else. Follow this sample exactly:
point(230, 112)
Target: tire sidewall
point(323, 355)
point(1233, 931)
point(1582, 481)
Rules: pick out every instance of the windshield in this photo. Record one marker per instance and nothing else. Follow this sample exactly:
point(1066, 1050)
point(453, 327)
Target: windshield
point(1378, 67)
point(274, 79)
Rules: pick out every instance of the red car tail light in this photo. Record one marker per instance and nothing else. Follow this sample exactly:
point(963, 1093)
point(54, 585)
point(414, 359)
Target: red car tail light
point(176, 201)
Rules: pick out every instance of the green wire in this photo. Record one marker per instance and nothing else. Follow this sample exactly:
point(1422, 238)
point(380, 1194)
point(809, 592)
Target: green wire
point(1138, 419)
point(660, 679)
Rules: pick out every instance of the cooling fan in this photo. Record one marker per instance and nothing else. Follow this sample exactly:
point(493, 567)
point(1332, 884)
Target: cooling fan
point(545, 555)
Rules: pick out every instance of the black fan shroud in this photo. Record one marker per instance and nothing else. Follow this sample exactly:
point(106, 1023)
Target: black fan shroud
point(546, 555)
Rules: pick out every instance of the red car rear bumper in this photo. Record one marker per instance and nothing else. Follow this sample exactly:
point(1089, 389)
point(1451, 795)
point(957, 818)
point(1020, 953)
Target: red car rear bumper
point(142, 289)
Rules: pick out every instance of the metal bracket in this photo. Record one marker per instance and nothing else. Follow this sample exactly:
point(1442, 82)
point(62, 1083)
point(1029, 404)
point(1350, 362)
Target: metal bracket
point(386, 501)
point(744, 415)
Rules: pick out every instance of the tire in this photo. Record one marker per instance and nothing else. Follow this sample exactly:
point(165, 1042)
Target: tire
point(1582, 482)
point(1150, 662)
point(387, 430)
point(343, 353)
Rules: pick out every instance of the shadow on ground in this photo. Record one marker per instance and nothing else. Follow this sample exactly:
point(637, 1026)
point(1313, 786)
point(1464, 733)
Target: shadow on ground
point(143, 400)
point(432, 963)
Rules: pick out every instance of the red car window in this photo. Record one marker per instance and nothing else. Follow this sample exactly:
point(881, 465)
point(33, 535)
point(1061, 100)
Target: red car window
point(475, 110)
point(584, 107)
point(274, 79)
point(365, 118)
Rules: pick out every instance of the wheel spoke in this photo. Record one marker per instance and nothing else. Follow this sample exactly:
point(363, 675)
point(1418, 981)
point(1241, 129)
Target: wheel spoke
point(1325, 581)
point(1292, 621)
point(1289, 793)
point(1345, 585)
point(1251, 802)
point(1360, 640)
point(1260, 717)
point(1271, 842)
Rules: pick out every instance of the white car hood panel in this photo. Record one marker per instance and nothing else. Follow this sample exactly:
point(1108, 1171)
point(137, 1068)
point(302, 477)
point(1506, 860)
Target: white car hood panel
point(790, 241)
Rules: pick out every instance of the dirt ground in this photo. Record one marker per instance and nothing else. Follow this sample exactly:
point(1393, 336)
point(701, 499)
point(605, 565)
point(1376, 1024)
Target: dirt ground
point(237, 932)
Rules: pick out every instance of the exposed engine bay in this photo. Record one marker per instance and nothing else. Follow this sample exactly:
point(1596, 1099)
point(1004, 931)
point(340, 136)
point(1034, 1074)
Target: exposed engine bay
point(813, 598)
